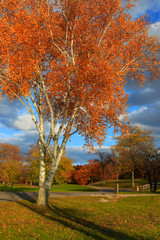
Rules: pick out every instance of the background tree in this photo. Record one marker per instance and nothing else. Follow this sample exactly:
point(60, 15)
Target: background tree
point(33, 164)
point(64, 171)
point(11, 163)
point(104, 158)
point(87, 173)
point(94, 170)
point(82, 175)
point(9, 151)
point(62, 175)
point(129, 147)
point(67, 62)
point(11, 171)
point(150, 164)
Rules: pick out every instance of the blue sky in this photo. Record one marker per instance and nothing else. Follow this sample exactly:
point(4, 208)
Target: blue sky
point(16, 126)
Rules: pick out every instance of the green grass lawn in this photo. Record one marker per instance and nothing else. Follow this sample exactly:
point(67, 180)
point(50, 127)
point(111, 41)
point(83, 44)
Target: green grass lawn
point(55, 188)
point(18, 188)
point(122, 183)
point(71, 188)
point(82, 218)
point(141, 192)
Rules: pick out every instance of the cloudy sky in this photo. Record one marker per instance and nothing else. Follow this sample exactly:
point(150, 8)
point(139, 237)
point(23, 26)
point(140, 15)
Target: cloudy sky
point(16, 126)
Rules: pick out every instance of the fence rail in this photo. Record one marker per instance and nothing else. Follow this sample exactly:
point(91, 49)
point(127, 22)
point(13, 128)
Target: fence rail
point(147, 186)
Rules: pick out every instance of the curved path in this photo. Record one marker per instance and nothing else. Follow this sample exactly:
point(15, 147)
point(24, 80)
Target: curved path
point(18, 196)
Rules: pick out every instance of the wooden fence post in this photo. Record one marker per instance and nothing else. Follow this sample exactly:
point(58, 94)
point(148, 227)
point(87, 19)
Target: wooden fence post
point(117, 189)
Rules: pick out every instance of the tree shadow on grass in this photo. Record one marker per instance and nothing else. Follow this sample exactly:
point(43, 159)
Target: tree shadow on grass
point(73, 219)
point(27, 195)
point(30, 196)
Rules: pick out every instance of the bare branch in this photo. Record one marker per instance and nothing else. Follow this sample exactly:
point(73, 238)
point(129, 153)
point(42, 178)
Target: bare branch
point(106, 28)
point(49, 138)
point(132, 61)
point(34, 103)
point(49, 104)
point(65, 117)
point(51, 33)
point(74, 132)
point(69, 126)
point(32, 114)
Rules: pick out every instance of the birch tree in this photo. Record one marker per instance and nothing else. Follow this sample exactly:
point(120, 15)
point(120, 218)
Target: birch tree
point(67, 62)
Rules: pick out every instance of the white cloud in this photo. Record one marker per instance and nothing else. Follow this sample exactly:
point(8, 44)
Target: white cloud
point(142, 6)
point(80, 155)
point(22, 139)
point(137, 112)
point(148, 90)
point(24, 122)
point(154, 29)
point(148, 117)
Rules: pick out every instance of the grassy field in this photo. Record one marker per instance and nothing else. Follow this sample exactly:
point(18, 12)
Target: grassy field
point(71, 188)
point(55, 188)
point(122, 183)
point(82, 218)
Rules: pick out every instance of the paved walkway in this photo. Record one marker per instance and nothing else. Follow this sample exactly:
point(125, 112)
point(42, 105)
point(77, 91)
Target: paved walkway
point(110, 189)
point(17, 196)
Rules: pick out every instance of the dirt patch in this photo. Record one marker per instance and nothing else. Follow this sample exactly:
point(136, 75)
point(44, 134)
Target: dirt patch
point(104, 200)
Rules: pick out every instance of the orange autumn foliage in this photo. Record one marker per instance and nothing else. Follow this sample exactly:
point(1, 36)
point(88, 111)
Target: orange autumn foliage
point(84, 49)
point(8, 151)
point(129, 147)
point(92, 172)
point(64, 171)
point(82, 176)
point(10, 163)
point(32, 164)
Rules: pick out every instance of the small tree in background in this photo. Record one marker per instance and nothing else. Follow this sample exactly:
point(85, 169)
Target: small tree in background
point(11, 171)
point(150, 164)
point(95, 171)
point(129, 146)
point(82, 175)
point(104, 158)
point(11, 162)
point(64, 171)
point(33, 162)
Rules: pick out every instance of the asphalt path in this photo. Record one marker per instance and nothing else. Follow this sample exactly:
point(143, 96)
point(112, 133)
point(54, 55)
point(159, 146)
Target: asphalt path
point(17, 196)
point(103, 192)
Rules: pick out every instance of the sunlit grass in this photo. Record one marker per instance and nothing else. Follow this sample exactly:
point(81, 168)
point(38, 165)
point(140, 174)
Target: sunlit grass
point(122, 183)
point(71, 188)
point(55, 188)
point(85, 218)
point(18, 188)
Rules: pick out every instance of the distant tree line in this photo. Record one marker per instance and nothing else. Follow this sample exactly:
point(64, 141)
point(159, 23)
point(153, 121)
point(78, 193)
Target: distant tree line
point(133, 156)
point(18, 168)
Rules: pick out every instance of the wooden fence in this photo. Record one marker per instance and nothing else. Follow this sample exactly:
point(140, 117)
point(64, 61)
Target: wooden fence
point(146, 186)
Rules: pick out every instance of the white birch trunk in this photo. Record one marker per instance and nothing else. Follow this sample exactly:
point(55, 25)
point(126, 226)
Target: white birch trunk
point(52, 171)
point(42, 199)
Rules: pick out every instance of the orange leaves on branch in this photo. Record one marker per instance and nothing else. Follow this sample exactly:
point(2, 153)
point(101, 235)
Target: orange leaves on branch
point(92, 172)
point(83, 50)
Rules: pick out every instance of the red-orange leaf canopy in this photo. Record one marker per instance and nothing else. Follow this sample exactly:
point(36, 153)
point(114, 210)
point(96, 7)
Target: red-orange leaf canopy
point(78, 54)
